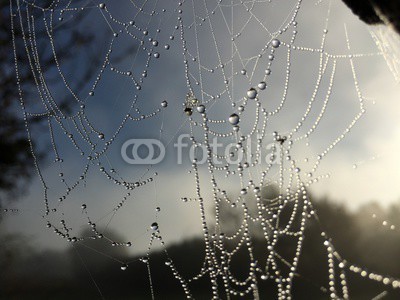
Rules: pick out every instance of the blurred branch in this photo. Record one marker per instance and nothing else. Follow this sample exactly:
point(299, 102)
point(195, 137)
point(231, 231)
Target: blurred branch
point(377, 11)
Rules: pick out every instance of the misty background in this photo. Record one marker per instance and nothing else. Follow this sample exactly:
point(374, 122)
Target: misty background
point(361, 193)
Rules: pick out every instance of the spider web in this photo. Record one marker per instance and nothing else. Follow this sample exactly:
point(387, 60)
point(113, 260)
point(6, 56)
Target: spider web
point(227, 68)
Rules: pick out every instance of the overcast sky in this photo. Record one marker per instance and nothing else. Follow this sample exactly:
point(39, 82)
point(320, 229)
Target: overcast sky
point(372, 145)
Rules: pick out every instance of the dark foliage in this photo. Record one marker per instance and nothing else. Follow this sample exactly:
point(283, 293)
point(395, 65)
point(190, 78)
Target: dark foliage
point(16, 164)
point(82, 273)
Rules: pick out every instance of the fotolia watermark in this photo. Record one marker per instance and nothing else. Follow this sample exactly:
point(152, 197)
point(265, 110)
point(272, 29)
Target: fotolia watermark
point(153, 151)
point(150, 158)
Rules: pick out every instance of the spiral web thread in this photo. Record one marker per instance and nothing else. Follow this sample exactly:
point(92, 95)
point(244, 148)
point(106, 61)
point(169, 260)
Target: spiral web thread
point(227, 77)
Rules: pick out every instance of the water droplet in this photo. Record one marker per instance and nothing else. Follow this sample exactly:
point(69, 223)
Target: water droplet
point(83, 206)
point(251, 93)
point(188, 111)
point(201, 108)
point(101, 136)
point(164, 103)
point(234, 119)
point(124, 267)
point(243, 72)
point(102, 5)
point(275, 43)
point(262, 85)
point(156, 55)
point(154, 226)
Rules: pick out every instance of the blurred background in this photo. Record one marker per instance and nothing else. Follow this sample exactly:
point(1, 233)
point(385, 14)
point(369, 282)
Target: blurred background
point(358, 205)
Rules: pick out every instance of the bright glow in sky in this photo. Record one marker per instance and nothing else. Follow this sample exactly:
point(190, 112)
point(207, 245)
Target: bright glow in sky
point(373, 144)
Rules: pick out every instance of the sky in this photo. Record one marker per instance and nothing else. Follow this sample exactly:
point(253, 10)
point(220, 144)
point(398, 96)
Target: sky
point(361, 168)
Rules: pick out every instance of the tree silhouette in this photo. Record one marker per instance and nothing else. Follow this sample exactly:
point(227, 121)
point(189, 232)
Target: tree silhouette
point(15, 161)
point(360, 239)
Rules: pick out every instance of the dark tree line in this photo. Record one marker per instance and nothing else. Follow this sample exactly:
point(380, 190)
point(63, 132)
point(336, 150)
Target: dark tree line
point(75, 272)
